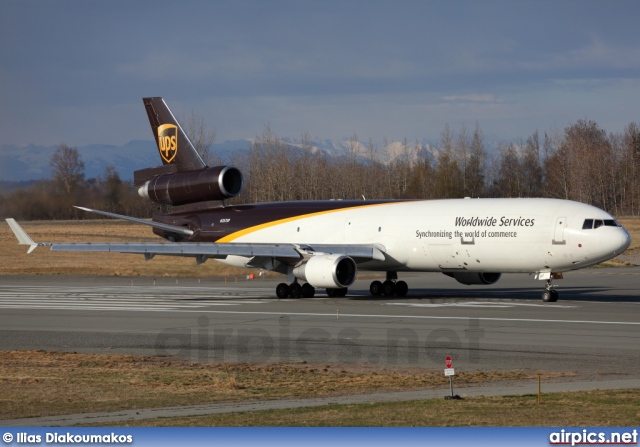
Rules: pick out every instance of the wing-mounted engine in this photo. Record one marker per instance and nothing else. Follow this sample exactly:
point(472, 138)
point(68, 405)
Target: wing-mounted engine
point(187, 187)
point(473, 278)
point(330, 271)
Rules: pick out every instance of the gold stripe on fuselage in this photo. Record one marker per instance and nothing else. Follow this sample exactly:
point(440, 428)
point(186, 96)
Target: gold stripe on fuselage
point(233, 236)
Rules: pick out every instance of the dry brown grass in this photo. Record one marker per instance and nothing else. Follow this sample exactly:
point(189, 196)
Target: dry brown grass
point(632, 224)
point(14, 260)
point(37, 383)
point(581, 409)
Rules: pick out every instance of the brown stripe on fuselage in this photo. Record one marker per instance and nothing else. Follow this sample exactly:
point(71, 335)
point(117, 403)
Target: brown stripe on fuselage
point(224, 224)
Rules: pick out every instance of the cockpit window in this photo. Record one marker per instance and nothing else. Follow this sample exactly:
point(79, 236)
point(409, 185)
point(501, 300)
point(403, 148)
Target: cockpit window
point(596, 223)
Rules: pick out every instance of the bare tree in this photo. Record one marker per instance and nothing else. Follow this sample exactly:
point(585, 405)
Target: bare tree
point(531, 168)
point(447, 175)
point(421, 181)
point(589, 149)
point(112, 183)
point(68, 167)
point(477, 165)
point(557, 167)
point(462, 157)
point(202, 136)
point(630, 161)
point(400, 169)
point(508, 181)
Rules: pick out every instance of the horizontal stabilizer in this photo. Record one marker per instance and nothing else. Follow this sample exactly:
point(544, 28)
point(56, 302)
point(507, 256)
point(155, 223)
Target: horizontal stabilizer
point(150, 223)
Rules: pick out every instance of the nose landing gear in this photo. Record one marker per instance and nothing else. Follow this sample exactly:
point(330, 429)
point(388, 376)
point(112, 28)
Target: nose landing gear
point(549, 295)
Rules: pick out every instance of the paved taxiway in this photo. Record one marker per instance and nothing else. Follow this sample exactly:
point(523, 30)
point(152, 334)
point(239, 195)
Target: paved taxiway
point(594, 329)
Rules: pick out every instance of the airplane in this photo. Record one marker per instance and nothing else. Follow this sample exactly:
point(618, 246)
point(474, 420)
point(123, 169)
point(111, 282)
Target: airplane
point(323, 244)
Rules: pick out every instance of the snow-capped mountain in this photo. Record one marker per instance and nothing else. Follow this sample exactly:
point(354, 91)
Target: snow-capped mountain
point(23, 163)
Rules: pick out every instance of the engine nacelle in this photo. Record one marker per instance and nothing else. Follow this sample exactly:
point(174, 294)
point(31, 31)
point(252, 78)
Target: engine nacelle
point(181, 188)
point(330, 271)
point(471, 278)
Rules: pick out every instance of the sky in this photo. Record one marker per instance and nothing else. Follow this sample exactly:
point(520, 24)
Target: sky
point(74, 71)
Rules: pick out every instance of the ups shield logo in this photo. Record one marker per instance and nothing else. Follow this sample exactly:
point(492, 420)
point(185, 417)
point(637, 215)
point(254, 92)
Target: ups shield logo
point(168, 142)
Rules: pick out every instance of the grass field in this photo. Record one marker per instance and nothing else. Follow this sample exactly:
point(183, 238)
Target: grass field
point(38, 383)
point(582, 409)
point(14, 259)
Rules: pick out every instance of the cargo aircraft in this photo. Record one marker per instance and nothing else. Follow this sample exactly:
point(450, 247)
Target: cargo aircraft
point(322, 244)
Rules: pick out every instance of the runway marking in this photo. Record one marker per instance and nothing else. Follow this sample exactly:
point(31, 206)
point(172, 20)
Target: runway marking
point(423, 317)
point(73, 298)
point(478, 304)
point(123, 298)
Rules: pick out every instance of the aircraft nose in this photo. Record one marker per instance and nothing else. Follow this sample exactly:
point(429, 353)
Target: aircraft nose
point(627, 242)
point(621, 241)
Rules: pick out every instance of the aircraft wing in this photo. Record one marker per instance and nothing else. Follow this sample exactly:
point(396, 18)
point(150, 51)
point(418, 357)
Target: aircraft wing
point(202, 251)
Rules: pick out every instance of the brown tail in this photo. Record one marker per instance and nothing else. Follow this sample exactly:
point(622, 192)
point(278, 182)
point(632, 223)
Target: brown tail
point(174, 145)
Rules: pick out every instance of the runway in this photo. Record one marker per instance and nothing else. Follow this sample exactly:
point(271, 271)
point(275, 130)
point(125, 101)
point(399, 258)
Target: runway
point(594, 330)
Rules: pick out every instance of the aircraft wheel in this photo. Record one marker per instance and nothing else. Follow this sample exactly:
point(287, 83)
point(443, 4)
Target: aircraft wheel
point(547, 297)
point(388, 288)
point(554, 295)
point(402, 288)
point(375, 288)
point(308, 291)
point(282, 290)
point(337, 292)
point(332, 293)
point(295, 290)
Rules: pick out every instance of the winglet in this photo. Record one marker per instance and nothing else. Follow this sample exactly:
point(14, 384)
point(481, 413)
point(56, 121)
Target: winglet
point(23, 237)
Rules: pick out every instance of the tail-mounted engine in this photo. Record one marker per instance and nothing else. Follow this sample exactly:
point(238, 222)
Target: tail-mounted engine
point(472, 278)
point(186, 187)
point(330, 271)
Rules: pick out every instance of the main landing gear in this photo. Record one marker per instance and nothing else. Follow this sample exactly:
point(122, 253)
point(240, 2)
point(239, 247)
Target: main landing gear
point(337, 293)
point(295, 290)
point(390, 287)
point(550, 295)
point(306, 290)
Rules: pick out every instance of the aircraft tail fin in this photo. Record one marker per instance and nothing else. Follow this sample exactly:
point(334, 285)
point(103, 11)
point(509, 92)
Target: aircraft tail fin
point(174, 145)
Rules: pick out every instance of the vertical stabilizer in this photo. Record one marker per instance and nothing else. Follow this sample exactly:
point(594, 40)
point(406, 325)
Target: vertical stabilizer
point(174, 145)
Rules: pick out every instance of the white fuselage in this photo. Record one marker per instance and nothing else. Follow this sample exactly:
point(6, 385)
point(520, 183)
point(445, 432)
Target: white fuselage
point(476, 235)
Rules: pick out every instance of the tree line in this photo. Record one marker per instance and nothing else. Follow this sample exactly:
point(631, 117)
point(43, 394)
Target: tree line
point(583, 163)
point(56, 197)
